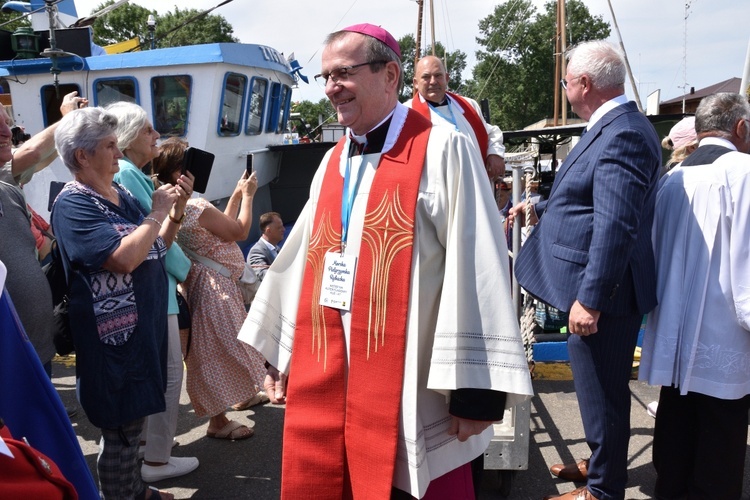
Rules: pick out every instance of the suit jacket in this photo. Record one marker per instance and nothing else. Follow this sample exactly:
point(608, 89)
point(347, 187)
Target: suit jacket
point(593, 239)
point(260, 258)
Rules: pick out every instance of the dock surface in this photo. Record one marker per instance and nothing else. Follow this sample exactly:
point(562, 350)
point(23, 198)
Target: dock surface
point(251, 469)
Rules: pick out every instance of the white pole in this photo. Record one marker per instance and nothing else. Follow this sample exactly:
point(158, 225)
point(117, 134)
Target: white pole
point(625, 55)
point(746, 72)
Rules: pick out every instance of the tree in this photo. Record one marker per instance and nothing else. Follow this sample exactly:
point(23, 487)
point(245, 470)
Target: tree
point(515, 71)
point(11, 21)
point(124, 23)
point(311, 112)
point(455, 63)
point(211, 28)
point(130, 21)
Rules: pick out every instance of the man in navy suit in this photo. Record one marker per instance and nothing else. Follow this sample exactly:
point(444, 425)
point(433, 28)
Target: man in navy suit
point(590, 255)
point(263, 253)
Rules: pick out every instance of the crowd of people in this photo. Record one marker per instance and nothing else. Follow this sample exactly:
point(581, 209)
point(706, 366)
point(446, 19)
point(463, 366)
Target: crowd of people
point(389, 301)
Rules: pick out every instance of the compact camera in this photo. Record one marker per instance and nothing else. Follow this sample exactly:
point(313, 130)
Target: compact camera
point(18, 135)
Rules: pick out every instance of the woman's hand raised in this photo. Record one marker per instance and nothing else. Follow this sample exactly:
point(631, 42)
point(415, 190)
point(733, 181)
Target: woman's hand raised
point(163, 199)
point(247, 185)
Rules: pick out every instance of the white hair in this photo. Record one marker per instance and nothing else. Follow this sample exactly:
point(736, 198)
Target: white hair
point(601, 61)
point(131, 119)
point(82, 129)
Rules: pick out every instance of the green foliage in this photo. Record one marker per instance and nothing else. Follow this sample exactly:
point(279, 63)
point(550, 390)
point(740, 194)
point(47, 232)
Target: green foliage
point(211, 28)
point(515, 70)
point(311, 112)
point(455, 63)
point(14, 21)
point(130, 21)
point(124, 23)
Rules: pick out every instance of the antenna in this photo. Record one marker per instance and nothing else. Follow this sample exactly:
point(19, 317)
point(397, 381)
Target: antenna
point(53, 52)
point(685, 84)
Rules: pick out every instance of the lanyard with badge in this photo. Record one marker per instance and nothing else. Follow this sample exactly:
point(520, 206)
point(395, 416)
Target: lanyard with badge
point(451, 119)
point(337, 286)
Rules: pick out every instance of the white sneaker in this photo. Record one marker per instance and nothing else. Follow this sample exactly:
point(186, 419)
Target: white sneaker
point(177, 466)
point(651, 408)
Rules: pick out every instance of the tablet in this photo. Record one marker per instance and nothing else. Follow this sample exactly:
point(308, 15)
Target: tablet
point(199, 163)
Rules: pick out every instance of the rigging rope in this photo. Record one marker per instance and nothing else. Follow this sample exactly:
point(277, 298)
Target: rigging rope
point(505, 47)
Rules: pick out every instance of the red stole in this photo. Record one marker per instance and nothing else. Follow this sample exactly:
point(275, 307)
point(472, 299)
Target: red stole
point(471, 115)
point(341, 431)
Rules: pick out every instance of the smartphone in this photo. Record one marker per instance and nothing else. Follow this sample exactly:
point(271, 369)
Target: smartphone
point(249, 165)
point(54, 189)
point(198, 163)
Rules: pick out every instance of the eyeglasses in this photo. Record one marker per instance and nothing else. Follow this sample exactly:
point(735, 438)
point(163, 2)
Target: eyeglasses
point(564, 82)
point(342, 74)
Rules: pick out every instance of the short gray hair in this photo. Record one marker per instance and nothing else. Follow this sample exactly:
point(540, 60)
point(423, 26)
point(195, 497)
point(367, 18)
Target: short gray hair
point(82, 129)
point(375, 50)
point(131, 119)
point(720, 113)
point(600, 61)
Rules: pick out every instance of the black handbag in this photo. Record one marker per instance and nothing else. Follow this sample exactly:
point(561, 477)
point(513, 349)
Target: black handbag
point(183, 317)
point(184, 322)
point(62, 336)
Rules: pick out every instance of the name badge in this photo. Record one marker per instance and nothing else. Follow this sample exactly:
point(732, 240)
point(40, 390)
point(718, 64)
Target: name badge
point(338, 281)
point(4, 450)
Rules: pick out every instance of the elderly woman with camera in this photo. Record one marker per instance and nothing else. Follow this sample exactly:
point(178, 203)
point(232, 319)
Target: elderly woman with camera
point(113, 253)
point(136, 138)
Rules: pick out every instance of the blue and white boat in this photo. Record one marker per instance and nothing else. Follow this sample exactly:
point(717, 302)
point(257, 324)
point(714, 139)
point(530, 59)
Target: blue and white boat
point(230, 99)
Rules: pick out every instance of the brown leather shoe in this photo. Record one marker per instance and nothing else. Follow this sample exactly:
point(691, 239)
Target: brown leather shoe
point(581, 493)
point(572, 472)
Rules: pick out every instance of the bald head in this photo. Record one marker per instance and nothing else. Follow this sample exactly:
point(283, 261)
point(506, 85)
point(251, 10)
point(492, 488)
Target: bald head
point(431, 79)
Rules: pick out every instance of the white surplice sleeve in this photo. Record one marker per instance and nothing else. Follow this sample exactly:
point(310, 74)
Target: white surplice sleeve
point(739, 246)
point(495, 145)
point(477, 342)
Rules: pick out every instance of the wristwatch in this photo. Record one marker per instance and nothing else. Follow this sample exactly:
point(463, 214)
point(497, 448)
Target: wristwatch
point(175, 219)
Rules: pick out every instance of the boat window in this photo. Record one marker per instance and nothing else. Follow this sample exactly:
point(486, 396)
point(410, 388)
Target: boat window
point(284, 102)
point(256, 109)
point(52, 99)
point(232, 102)
point(277, 108)
point(171, 98)
point(110, 90)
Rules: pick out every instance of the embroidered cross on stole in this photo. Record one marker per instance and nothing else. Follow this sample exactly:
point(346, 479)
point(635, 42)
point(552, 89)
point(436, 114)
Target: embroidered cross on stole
point(341, 423)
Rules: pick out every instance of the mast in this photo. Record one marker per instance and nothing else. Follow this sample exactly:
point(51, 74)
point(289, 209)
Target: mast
point(625, 56)
point(418, 42)
point(745, 74)
point(560, 100)
point(432, 24)
point(563, 64)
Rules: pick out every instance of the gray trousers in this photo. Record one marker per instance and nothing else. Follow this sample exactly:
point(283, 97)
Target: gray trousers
point(160, 428)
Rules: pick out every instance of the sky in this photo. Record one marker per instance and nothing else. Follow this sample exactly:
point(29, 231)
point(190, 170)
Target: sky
point(668, 50)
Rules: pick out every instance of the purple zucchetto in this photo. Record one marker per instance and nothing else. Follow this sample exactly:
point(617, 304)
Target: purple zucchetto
point(378, 33)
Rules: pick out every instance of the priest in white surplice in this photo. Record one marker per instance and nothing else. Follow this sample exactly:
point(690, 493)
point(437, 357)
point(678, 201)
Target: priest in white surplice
point(395, 389)
point(697, 340)
point(446, 109)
